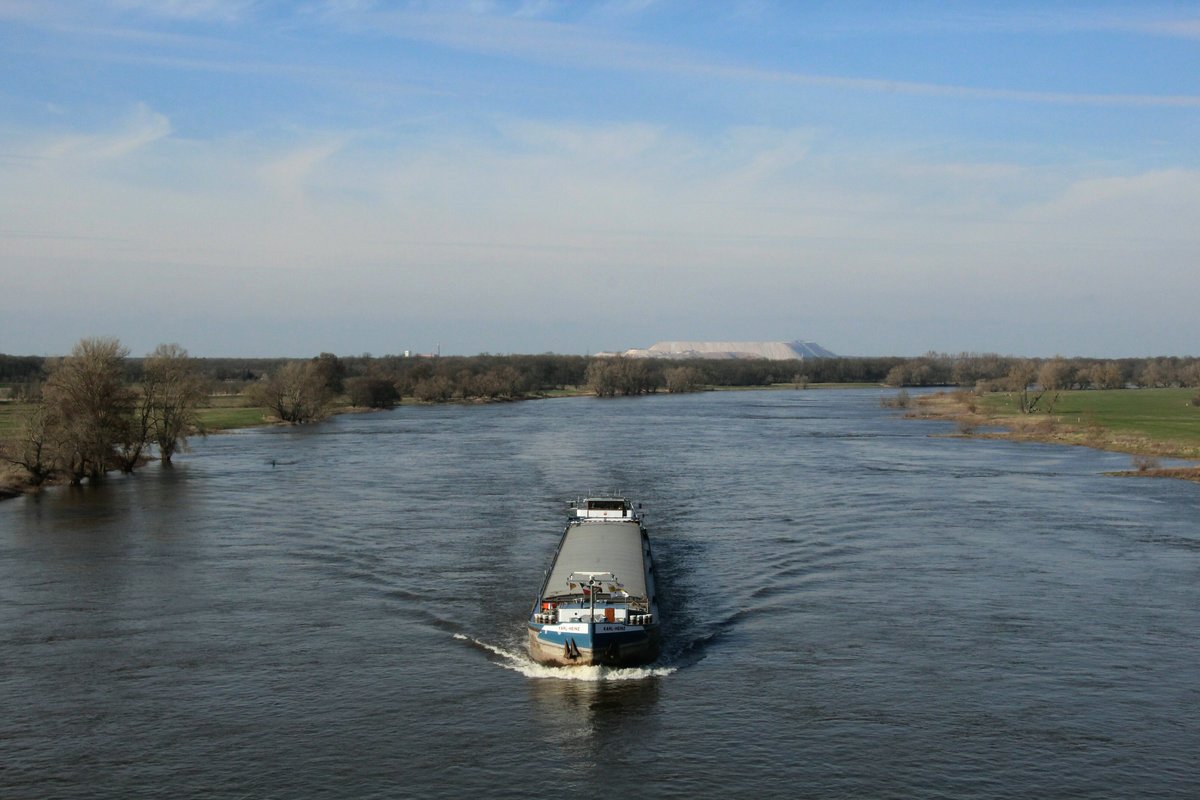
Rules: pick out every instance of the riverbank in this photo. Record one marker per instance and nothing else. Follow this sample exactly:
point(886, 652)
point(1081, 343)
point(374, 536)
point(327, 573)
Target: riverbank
point(227, 412)
point(1148, 424)
point(223, 413)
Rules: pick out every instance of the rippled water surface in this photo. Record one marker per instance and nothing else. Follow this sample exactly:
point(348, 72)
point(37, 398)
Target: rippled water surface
point(853, 606)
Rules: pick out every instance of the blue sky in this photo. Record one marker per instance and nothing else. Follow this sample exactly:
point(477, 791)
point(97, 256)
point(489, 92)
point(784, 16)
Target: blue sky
point(266, 178)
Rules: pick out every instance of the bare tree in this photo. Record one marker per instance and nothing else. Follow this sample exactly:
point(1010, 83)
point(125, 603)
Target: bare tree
point(615, 375)
point(1106, 375)
point(372, 391)
point(134, 434)
point(36, 448)
point(331, 372)
point(1020, 375)
point(296, 392)
point(1055, 374)
point(1155, 373)
point(87, 398)
point(172, 390)
point(683, 379)
point(434, 389)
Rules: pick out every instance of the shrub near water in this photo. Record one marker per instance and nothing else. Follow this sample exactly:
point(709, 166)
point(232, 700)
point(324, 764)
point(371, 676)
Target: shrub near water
point(1146, 463)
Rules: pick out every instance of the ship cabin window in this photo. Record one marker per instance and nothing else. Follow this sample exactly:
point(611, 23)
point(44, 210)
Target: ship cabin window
point(606, 505)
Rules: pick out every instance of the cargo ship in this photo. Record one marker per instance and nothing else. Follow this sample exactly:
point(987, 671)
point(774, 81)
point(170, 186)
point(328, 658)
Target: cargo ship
point(597, 605)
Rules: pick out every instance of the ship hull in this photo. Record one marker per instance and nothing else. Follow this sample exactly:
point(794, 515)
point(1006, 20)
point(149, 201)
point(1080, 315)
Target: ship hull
point(568, 649)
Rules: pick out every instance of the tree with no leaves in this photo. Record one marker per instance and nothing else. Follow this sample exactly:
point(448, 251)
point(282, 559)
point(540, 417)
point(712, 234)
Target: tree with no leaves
point(89, 419)
point(613, 375)
point(372, 391)
point(296, 392)
point(1106, 375)
point(683, 379)
point(36, 447)
point(172, 390)
point(86, 397)
point(1056, 374)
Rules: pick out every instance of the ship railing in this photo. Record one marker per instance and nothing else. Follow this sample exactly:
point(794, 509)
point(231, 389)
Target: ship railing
point(632, 601)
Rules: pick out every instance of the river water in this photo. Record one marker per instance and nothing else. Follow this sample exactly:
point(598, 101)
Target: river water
point(854, 607)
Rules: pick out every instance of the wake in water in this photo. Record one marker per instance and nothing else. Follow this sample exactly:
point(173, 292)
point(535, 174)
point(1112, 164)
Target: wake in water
point(518, 661)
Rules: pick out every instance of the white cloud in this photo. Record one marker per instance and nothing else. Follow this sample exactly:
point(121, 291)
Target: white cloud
point(1129, 214)
point(535, 9)
point(288, 175)
point(23, 10)
point(536, 39)
point(532, 32)
point(1181, 28)
point(611, 143)
point(142, 127)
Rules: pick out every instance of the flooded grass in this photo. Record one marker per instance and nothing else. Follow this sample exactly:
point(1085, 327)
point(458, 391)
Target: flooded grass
point(1147, 423)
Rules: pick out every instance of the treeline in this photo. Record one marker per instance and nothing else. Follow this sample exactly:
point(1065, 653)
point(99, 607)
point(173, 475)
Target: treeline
point(991, 372)
point(489, 377)
point(382, 381)
point(20, 369)
point(516, 376)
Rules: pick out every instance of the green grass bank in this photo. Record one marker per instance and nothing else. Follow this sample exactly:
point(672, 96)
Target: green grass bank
point(1146, 423)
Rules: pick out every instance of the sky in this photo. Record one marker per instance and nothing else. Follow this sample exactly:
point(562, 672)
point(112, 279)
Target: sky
point(264, 178)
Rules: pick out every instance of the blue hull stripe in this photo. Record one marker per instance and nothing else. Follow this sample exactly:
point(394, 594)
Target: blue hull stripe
point(597, 641)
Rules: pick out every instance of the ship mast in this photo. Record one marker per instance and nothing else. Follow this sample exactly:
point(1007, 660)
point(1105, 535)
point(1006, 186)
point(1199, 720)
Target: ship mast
point(593, 583)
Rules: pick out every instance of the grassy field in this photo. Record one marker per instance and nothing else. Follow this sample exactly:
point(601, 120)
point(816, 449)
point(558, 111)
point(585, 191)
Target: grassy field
point(1163, 416)
point(1147, 423)
point(10, 419)
point(225, 412)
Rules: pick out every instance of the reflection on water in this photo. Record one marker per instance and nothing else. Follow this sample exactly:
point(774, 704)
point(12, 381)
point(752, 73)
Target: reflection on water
point(589, 710)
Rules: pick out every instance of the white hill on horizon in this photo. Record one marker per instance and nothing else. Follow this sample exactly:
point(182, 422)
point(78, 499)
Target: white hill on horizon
point(772, 351)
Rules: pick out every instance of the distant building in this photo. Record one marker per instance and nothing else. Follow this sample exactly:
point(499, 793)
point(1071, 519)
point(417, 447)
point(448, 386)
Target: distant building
point(771, 351)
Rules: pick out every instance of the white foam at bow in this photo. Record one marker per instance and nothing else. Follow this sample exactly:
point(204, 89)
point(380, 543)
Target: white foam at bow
point(522, 663)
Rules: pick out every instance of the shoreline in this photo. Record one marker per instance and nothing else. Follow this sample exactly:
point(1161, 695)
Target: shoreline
point(225, 418)
point(968, 411)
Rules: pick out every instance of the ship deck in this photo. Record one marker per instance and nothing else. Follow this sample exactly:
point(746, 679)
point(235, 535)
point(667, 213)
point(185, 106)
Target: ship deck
point(614, 546)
